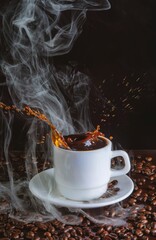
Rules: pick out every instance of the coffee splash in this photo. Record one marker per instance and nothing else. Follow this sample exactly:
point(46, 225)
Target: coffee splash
point(57, 137)
point(85, 141)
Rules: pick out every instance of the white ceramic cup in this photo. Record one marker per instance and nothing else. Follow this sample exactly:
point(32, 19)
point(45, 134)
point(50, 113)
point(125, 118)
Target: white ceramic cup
point(84, 175)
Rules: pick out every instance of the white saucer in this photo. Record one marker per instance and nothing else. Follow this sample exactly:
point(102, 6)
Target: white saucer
point(43, 187)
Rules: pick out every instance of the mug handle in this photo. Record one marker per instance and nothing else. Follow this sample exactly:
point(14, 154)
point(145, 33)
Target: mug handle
point(127, 166)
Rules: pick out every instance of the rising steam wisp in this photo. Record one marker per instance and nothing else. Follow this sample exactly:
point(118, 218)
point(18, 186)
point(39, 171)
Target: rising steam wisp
point(34, 32)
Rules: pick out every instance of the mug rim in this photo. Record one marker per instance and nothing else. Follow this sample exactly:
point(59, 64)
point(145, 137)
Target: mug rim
point(84, 151)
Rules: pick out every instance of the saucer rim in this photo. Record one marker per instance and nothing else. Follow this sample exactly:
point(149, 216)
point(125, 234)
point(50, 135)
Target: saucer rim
point(58, 200)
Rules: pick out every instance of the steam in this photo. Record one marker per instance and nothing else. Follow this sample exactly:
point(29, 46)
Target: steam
point(34, 32)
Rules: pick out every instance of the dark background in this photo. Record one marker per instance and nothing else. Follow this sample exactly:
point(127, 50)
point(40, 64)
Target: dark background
point(117, 43)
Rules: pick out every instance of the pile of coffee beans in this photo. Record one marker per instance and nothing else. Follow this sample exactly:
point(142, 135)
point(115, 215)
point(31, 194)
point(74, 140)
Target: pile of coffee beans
point(141, 223)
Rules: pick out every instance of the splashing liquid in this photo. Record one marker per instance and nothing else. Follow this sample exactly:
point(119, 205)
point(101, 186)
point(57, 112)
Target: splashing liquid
point(57, 138)
point(85, 141)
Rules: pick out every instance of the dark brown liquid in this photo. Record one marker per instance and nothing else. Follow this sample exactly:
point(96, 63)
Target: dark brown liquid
point(83, 142)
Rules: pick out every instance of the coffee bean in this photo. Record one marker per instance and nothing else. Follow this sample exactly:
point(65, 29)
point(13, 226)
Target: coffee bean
point(15, 236)
point(132, 201)
point(147, 231)
point(128, 235)
point(142, 217)
point(68, 235)
point(51, 229)
point(34, 229)
point(149, 159)
point(97, 238)
point(153, 231)
point(100, 230)
point(151, 187)
point(113, 236)
point(47, 234)
point(148, 207)
point(137, 193)
point(152, 177)
point(68, 228)
point(73, 232)
point(145, 238)
point(79, 231)
point(144, 221)
point(30, 235)
point(138, 232)
point(140, 225)
point(107, 238)
point(114, 182)
point(42, 226)
point(109, 228)
point(154, 202)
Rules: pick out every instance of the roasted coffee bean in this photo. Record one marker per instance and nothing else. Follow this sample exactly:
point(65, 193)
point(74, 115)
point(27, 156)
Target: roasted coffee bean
point(132, 201)
point(73, 233)
point(42, 226)
point(142, 217)
point(151, 187)
point(109, 228)
point(97, 238)
point(79, 231)
point(116, 189)
point(148, 207)
point(30, 235)
point(100, 230)
point(113, 183)
point(15, 235)
point(68, 235)
point(113, 236)
point(153, 231)
point(149, 159)
point(34, 229)
point(145, 238)
point(47, 234)
point(68, 228)
point(63, 238)
point(154, 202)
point(153, 225)
point(128, 235)
point(140, 225)
point(51, 229)
point(147, 231)
point(107, 238)
point(138, 232)
point(152, 177)
point(30, 225)
point(144, 221)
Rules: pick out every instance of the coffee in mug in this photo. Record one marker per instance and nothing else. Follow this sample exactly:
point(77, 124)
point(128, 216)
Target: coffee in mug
point(83, 172)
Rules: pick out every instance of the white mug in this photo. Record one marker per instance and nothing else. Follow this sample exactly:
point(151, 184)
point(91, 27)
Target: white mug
point(84, 175)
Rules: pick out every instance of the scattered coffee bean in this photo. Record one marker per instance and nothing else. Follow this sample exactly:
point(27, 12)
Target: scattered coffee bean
point(149, 159)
